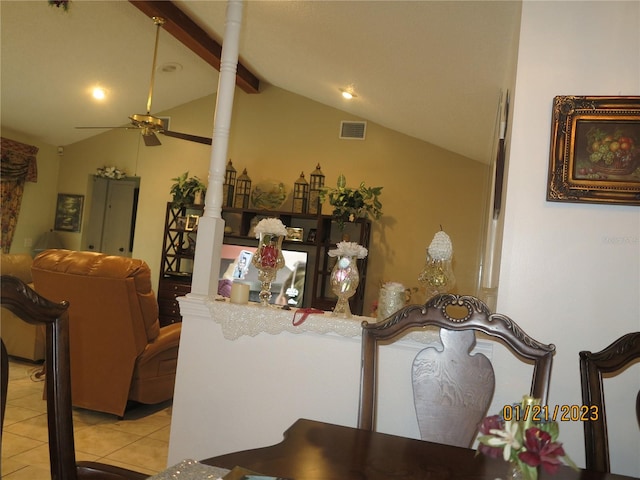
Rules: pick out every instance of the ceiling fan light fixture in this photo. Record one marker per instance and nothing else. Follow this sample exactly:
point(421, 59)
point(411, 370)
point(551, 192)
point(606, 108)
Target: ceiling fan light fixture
point(147, 121)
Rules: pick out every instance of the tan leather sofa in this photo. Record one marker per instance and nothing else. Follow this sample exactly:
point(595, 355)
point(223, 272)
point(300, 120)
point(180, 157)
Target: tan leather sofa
point(118, 350)
point(21, 339)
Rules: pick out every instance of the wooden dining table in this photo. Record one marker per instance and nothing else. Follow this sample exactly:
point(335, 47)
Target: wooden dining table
point(313, 450)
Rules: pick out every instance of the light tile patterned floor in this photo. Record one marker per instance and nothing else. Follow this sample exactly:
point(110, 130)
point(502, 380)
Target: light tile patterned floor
point(140, 441)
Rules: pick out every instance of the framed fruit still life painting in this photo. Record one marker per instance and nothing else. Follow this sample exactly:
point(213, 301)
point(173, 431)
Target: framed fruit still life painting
point(595, 150)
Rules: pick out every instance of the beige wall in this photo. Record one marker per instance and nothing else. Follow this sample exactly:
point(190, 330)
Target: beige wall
point(570, 272)
point(276, 135)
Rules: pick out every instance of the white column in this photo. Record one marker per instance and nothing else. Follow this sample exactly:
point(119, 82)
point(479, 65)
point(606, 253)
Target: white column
point(211, 225)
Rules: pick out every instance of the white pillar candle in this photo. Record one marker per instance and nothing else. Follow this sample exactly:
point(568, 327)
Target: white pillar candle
point(239, 293)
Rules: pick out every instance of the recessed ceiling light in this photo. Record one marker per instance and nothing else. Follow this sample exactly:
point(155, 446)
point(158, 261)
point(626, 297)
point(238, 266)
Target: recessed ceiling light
point(347, 93)
point(98, 93)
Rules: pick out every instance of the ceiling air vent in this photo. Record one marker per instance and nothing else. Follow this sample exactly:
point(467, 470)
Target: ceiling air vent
point(353, 130)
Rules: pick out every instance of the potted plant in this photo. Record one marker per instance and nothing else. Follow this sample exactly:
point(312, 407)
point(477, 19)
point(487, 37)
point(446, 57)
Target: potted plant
point(351, 203)
point(185, 189)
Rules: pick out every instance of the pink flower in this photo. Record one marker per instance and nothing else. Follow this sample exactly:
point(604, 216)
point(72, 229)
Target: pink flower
point(541, 450)
point(493, 422)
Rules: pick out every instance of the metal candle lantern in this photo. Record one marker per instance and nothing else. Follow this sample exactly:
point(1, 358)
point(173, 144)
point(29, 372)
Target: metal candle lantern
point(229, 185)
point(316, 184)
point(242, 191)
point(300, 195)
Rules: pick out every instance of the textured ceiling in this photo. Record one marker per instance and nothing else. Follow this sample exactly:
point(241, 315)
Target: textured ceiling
point(432, 70)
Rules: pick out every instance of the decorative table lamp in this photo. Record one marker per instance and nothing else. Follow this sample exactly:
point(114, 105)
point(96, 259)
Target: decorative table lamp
point(229, 185)
point(437, 275)
point(300, 195)
point(242, 191)
point(316, 184)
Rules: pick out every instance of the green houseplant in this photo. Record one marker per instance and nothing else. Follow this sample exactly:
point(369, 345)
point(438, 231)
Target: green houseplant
point(351, 203)
point(185, 188)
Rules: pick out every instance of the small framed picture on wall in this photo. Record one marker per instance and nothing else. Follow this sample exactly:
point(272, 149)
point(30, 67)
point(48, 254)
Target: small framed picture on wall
point(69, 212)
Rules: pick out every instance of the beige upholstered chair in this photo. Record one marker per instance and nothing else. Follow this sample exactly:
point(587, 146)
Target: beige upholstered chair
point(452, 389)
point(119, 353)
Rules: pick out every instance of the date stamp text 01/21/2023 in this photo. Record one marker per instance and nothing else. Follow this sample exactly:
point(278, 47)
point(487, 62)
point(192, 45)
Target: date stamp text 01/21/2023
point(545, 413)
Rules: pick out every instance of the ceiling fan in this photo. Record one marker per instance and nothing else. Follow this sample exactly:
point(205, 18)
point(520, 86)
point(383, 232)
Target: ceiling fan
point(149, 124)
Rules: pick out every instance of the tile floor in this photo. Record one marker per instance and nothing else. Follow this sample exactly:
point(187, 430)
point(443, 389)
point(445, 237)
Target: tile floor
point(140, 441)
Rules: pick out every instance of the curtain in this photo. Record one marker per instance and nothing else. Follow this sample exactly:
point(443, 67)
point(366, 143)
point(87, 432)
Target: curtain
point(18, 166)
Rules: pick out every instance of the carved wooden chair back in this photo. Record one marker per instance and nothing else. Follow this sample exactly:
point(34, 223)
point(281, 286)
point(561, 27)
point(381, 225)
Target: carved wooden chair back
point(452, 388)
point(613, 360)
point(34, 309)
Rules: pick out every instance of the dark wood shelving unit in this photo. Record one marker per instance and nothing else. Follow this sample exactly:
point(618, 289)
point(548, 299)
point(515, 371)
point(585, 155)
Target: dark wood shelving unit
point(178, 251)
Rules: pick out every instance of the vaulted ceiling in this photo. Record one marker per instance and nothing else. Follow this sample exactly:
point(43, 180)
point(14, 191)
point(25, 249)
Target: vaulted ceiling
point(435, 70)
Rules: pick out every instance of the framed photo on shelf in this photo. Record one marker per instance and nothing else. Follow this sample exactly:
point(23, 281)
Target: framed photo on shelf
point(191, 222)
point(69, 212)
point(311, 236)
point(595, 150)
point(181, 223)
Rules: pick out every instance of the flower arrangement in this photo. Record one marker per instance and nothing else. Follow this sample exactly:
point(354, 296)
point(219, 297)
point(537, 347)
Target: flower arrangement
point(348, 249)
point(351, 203)
point(270, 226)
point(516, 438)
point(113, 173)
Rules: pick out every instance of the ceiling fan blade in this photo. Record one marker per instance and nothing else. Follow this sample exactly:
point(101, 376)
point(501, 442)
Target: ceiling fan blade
point(186, 136)
point(150, 139)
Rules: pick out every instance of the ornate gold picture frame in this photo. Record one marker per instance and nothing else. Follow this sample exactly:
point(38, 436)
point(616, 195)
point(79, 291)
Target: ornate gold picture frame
point(595, 150)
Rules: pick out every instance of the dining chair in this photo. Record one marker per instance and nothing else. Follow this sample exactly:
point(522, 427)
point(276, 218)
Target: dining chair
point(452, 388)
point(613, 360)
point(4, 384)
point(35, 309)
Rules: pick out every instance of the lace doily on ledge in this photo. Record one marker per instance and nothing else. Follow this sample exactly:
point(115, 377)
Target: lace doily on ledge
point(253, 319)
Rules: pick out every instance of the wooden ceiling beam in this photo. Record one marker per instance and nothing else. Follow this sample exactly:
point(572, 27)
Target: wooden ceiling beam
point(181, 26)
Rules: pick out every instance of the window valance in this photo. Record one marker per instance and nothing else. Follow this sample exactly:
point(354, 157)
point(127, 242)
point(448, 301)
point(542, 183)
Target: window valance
point(18, 161)
point(18, 165)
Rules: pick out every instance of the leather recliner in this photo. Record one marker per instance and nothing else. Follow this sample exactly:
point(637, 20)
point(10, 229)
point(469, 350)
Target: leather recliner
point(118, 351)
